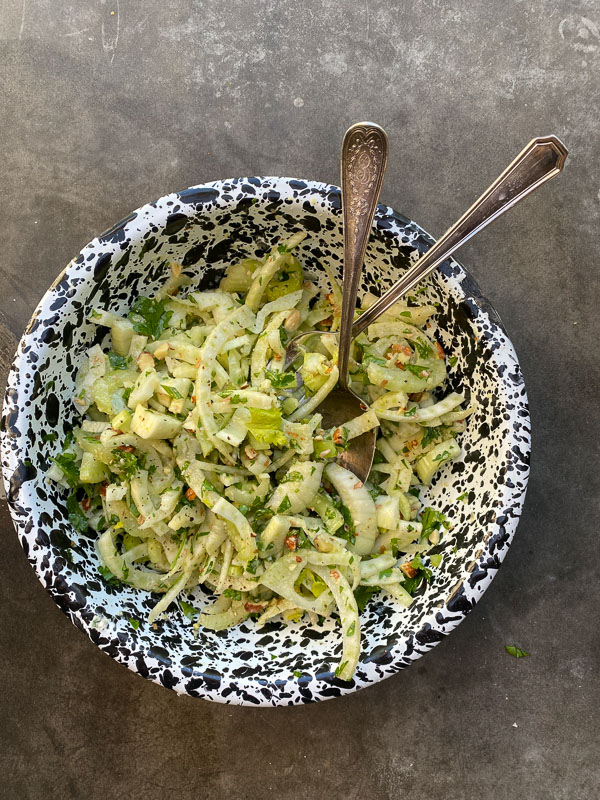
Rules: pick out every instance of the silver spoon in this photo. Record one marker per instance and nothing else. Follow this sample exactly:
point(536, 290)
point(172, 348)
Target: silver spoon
point(542, 159)
point(363, 162)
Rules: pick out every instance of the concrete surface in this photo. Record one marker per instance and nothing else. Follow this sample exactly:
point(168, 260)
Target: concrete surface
point(102, 111)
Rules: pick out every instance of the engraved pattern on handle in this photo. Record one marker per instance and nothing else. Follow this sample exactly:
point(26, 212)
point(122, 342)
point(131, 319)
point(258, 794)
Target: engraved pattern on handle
point(364, 159)
point(542, 159)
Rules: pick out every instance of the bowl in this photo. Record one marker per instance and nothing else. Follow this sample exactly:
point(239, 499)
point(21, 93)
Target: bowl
point(205, 228)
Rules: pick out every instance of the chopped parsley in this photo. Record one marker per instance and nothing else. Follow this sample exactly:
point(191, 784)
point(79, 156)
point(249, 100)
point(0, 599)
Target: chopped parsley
point(423, 348)
point(281, 380)
point(429, 436)
point(117, 362)
point(284, 505)
point(188, 609)
point(77, 518)
point(49, 437)
point(363, 594)
point(66, 461)
point(111, 579)
point(292, 476)
point(135, 623)
point(149, 317)
point(452, 360)
point(512, 650)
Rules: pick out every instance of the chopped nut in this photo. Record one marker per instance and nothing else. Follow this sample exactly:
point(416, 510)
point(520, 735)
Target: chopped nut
point(162, 350)
point(250, 452)
point(175, 269)
point(254, 608)
point(145, 361)
point(358, 485)
point(440, 350)
point(190, 494)
point(291, 541)
point(409, 571)
point(292, 321)
point(338, 436)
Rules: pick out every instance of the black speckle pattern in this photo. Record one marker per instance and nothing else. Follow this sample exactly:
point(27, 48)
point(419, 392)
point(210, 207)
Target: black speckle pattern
point(206, 228)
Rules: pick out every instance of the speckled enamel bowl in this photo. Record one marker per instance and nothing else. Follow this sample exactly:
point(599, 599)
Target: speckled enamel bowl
point(205, 228)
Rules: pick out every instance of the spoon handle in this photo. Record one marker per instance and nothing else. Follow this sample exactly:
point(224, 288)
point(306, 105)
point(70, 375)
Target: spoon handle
point(541, 160)
point(364, 159)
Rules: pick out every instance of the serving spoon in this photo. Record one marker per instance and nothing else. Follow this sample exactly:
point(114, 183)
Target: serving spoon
point(542, 159)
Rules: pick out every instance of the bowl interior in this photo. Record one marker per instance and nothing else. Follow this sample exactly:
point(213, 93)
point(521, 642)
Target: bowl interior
point(204, 229)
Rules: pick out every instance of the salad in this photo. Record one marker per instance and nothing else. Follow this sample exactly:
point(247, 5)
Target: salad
point(200, 461)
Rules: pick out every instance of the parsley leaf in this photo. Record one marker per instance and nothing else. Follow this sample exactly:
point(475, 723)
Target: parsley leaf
point(423, 348)
point(291, 476)
point(512, 650)
point(281, 380)
point(432, 520)
point(417, 369)
point(116, 361)
point(66, 461)
point(108, 576)
point(149, 317)
point(76, 516)
point(284, 505)
point(49, 437)
point(135, 623)
point(188, 609)
point(430, 435)
point(363, 594)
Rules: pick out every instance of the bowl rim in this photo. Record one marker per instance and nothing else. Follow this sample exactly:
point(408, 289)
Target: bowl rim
point(464, 595)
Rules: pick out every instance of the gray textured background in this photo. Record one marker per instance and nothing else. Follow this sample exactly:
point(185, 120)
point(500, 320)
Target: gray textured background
point(101, 112)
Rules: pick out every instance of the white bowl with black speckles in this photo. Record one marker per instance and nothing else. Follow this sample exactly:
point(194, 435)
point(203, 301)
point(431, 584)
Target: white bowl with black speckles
point(205, 228)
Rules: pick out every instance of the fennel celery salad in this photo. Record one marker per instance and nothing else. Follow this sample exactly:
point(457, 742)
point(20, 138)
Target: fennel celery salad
point(200, 461)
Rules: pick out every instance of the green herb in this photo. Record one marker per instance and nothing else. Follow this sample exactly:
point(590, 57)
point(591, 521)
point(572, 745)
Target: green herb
point(405, 314)
point(464, 497)
point(49, 437)
point(207, 486)
point(442, 455)
point(284, 505)
point(423, 348)
point(436, 559)
point(516, 651)
point(108, 576)
point(117, 362)
point(296, 673)
point(340, 669)
point(452, 360)
point(351, 629)
point(125, 462)
point(292, 476)
point(234, 594)
point(429, 435)
point(126, 393)
point(171, 391)
point(281, 380)
point(369, 358)
point(386, 573)
point(363, 594)
point(49, 386)
point(411, 412)
point(188, 609)
point(252, 566)
point(77, 518)
point(66, 461)
point(432, 520)
point(135, 623)
point(149, 317)
point(282, 249)
point(417, 369)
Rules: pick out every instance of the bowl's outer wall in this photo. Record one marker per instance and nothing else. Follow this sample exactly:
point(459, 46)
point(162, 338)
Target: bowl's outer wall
point(205, 228)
